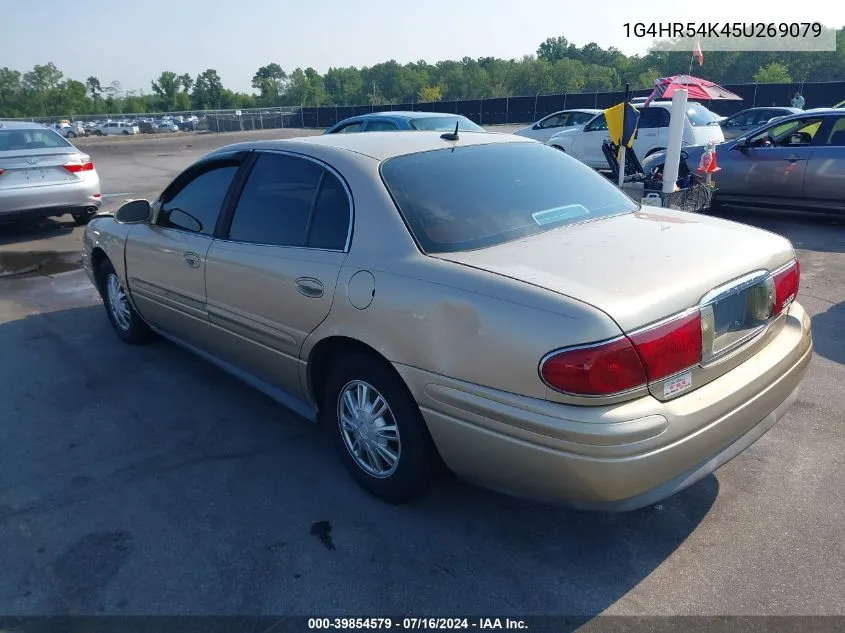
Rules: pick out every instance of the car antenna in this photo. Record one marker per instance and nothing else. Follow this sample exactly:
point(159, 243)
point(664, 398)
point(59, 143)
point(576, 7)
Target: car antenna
point(451, 136)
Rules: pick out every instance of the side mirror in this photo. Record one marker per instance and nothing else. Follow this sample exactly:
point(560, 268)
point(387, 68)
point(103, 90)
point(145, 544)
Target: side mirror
point(741, 144)
point(134, 212)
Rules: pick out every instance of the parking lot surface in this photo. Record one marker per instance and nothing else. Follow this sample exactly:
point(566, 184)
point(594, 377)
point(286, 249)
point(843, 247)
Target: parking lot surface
point(141, 480)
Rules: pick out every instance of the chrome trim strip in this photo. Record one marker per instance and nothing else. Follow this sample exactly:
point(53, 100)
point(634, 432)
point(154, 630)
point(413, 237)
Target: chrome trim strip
point(733, 287)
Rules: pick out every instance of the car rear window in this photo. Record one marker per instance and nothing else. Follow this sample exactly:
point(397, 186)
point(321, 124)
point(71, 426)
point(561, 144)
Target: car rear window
point(470, 197)
point(32, 138)
point(445, 124)
point(699, 115)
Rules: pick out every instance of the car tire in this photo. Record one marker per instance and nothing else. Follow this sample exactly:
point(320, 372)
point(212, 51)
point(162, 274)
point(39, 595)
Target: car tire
point(126, 132)
point(359, 379)
point(127, 324)
point(71, 135)
point(98, 133)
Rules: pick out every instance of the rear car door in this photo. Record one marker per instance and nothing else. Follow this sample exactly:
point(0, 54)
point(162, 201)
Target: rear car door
point(271, 277)
point(652, 130)
point(824, 179)
point(165, 260)
point(774, 163)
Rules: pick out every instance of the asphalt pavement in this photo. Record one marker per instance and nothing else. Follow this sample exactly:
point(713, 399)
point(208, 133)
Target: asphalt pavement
point(141, 480)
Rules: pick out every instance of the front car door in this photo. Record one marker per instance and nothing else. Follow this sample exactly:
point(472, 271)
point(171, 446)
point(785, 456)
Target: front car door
point(587, 144)
point(824, 180)
point(165, 260)
point(773, 163)
point(271, 277)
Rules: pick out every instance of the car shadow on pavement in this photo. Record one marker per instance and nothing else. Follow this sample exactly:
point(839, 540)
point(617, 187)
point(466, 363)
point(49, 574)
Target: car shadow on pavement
point(31, 230)
point(829, 333)
point(150, 482)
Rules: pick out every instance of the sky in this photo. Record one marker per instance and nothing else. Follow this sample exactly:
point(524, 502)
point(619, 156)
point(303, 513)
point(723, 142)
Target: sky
point(133, 42)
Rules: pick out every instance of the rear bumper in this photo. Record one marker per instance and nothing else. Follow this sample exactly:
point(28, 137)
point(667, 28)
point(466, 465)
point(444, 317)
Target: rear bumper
point(615, 458)
point(51, 200)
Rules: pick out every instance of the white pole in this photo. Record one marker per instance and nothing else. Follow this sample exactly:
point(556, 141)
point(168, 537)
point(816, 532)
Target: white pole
point(622, 164)
point(676, 133)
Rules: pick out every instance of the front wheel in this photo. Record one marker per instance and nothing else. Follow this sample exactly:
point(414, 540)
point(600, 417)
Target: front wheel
point(126, 132)
point(98, 133)
point(379, 431)
point(71, 135)
point(127, 324)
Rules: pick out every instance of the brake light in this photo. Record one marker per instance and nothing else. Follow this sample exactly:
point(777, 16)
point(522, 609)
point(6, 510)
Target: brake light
point(1, 171)
point(77, 167)
point(595, 370)
point(628, 362)
point(671, 346)
point(786, 281)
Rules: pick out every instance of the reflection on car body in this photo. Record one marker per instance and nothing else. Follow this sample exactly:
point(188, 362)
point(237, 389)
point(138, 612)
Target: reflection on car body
point(488, 301)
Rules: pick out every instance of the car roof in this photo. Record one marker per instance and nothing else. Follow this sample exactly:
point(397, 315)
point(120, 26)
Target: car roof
point(20, 125)
point(398, 115)
point(379, 145)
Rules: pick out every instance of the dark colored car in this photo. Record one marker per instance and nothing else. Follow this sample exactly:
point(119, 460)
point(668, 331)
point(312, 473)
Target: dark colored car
point(795, 162)
point(396, 121)
point(752, 118)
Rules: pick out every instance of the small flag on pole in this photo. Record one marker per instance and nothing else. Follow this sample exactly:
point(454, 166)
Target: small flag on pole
point(697, 53)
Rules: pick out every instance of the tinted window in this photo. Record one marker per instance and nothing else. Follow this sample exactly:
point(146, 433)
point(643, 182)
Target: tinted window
point(276, 201)
point(195, 206)
point(381, 126)
point(556, 120)
point(330, 222)
point(837, 133)
point(30, 139)
point(597, 124)
point(580, 117)
point(349, 127)
point(699, 115)
point(743, 118)
point(446, 124)
point(477, 196)
point(653, 117)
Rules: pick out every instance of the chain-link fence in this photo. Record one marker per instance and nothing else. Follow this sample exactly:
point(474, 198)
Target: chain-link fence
point(492, 111)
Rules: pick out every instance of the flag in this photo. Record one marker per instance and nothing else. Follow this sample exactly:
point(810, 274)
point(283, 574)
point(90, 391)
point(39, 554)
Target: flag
point(622, 120)
point(697, 53)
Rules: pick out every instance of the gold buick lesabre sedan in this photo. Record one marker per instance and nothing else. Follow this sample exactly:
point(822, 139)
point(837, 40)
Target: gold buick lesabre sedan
point(483, 301)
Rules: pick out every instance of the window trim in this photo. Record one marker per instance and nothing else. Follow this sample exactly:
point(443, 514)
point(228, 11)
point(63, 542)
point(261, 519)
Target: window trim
point(191, 173)
point(232, 204)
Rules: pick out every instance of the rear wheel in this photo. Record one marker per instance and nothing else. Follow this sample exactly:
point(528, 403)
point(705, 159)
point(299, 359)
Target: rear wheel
point(126, 132)
point(378, 429)
point(127, 324)
point(71, 135)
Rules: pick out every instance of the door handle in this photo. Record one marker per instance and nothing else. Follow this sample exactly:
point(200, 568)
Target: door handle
point(309, 287)
point(192, 260)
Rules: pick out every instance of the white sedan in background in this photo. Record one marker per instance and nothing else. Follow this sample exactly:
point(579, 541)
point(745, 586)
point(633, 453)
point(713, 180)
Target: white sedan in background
point(546, 127)
point(584, 142)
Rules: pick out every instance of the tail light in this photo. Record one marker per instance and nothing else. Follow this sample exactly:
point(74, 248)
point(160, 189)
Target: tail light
point(786, 281)
point(1, 171)
point(80, 163)
point(626, 363)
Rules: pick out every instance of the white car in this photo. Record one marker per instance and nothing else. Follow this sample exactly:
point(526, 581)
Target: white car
point(550, 125)
point(167, 126)
point(585, 142)
point(116, 127)
point(68, 130)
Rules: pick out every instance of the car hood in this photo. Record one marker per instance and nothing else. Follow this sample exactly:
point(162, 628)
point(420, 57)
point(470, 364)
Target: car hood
point(638, 267)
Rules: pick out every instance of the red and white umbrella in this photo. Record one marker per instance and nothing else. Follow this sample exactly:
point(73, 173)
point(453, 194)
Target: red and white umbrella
point(697, 88)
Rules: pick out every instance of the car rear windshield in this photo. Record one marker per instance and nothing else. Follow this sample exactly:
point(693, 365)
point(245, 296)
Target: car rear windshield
point(699, 115)
point(445, 124)
point(30, 138)
point(476, 196)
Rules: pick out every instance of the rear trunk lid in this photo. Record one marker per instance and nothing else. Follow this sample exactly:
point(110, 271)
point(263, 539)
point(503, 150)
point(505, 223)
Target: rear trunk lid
point(639, 267)
point(36, 167)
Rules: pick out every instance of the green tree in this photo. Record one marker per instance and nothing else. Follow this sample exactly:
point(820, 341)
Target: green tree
point(773, 73)
point(208, 91)
point(186, 81)
point(95, 90)
point(430, 93)
point(271, 81)
point(167, 88)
